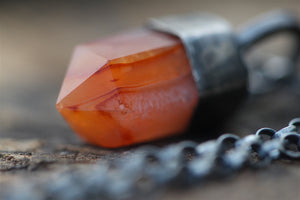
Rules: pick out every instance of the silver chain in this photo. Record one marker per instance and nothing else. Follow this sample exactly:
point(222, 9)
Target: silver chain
point(149, 168)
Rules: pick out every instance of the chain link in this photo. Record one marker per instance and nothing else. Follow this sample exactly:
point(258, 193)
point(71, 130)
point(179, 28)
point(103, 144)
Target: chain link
point(150, 168)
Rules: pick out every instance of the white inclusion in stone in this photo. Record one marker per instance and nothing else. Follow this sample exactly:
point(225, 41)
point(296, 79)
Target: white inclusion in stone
point(122, 107)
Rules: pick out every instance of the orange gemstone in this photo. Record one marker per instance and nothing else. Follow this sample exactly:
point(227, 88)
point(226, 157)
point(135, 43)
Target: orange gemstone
point(127, 89)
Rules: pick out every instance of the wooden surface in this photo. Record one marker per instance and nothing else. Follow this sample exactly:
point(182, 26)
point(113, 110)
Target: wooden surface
point(36, 42)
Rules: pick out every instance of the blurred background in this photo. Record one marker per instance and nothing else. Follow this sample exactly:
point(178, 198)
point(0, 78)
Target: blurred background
point(37, 39)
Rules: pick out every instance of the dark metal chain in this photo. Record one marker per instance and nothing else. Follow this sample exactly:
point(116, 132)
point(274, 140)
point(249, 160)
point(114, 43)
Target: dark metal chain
point(150, 168)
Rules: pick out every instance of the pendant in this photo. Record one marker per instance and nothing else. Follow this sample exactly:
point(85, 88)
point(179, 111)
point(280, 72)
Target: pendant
point(178, 72)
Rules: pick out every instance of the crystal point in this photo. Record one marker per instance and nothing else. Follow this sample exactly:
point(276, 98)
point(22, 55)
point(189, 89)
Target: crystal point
point(129, 88)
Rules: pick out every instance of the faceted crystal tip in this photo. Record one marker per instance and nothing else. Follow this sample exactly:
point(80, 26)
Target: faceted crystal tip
point(130, 88)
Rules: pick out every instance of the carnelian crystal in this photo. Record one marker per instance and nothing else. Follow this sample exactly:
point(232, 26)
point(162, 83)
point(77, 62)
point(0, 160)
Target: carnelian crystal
point(129, 88)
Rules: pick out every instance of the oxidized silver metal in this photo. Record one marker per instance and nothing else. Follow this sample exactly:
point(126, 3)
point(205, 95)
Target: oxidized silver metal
point(212, 50)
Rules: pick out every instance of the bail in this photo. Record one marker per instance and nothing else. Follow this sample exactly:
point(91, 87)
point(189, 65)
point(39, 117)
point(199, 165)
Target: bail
point(215, 56)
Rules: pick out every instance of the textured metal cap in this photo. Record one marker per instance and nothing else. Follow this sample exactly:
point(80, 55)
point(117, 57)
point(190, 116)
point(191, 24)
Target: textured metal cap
point(211, 48)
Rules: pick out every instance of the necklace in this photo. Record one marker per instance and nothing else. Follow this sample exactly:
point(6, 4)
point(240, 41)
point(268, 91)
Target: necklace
point(187, 162)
